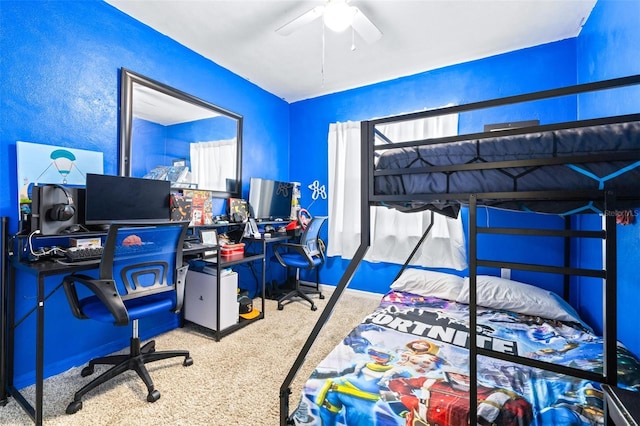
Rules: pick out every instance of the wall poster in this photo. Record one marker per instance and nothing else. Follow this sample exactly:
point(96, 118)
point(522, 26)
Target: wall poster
point(50, 164)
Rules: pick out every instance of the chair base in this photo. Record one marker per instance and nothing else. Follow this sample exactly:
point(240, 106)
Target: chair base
point(307, 289)
point(296, 293)
point(303, 294)
point(135, 360)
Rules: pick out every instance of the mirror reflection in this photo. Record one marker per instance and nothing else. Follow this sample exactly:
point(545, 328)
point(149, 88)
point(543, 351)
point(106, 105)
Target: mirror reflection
point(170, 135)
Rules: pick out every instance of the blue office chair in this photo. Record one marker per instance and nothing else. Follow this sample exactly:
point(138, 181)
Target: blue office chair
point(308, 254)
point(141, 274)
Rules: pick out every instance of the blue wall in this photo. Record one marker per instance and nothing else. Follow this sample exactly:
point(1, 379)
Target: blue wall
point(59, 71)
point(59, 85)
point(608, 48)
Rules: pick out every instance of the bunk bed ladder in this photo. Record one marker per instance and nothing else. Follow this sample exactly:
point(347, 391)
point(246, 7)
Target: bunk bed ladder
point(365, 242)
point(609, 291)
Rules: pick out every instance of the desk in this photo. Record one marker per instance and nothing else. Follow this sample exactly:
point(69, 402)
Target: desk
point(40, 270)
point(622, 406)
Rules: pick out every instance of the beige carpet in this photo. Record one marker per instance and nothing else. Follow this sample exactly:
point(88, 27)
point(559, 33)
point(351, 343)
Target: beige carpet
point(233, 381)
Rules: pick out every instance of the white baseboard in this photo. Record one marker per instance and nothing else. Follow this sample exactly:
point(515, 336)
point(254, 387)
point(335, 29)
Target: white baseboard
point(330, 288)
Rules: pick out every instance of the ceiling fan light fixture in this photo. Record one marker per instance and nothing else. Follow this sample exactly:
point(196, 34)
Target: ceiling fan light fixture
point(338, 15)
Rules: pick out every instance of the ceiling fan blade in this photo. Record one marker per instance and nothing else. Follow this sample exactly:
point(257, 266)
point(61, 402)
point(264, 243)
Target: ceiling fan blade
point(301, 21)
point(367, 30)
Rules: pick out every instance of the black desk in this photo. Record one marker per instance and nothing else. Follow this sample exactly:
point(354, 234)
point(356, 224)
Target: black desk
point(40, 270)
point(622, 406)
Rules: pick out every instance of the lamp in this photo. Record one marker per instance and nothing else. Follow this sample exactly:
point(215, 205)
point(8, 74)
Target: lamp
point(338, 15)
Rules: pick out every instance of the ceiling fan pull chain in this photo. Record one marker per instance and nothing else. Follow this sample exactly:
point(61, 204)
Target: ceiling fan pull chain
point(322, 66)
point(353, 39)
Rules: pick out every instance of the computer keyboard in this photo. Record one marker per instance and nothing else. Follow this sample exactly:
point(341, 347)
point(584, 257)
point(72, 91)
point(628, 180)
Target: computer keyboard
point(77, 254)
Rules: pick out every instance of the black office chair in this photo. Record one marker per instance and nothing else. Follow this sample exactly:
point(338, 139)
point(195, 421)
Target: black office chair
point(141, 274)
point(308, 254)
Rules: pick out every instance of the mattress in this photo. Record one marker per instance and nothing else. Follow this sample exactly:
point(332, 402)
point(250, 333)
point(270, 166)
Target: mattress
point(407, 364)
point(595, 142)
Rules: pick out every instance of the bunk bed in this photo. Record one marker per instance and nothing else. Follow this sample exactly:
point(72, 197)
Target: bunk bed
point(532, 359)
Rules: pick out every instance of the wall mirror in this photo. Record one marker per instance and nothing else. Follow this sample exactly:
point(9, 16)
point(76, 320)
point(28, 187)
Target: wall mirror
point(171, 135)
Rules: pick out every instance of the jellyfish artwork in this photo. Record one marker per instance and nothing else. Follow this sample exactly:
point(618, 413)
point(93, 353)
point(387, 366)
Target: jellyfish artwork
point(63, 161)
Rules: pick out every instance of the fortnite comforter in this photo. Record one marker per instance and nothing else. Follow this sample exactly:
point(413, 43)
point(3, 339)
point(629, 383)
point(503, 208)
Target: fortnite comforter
point(408, 364)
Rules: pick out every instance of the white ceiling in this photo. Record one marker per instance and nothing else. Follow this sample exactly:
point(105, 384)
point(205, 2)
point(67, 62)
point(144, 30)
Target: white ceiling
point(418, 35)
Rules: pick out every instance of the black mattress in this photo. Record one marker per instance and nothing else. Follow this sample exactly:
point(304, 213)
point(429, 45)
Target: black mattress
point(580, 149)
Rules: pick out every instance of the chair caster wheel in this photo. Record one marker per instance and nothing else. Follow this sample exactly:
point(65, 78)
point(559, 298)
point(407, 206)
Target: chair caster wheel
point(74, 407)
point(314, 308)
point(87, 371)
point(280, 307)
point(321, 296)
point(187, 362)
point(153, 396)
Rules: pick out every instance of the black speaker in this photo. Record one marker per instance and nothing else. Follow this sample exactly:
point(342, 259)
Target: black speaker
point(62, 212)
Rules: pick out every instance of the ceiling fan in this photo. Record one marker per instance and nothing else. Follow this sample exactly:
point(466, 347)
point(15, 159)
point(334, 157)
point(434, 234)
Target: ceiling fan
point(337, 15)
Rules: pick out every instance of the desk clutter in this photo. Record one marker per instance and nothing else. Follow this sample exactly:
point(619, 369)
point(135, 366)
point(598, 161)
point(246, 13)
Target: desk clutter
point(197, 206)
point(230, 250)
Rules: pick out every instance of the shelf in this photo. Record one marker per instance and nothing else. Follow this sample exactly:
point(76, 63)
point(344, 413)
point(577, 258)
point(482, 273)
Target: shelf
point(235, 327)
point(222, 262)
point(226, 261)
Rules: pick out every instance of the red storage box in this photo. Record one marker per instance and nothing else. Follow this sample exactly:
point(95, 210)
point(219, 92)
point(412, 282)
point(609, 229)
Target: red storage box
point(232, 250)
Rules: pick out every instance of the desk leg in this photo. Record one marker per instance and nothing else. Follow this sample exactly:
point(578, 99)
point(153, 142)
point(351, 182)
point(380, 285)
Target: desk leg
point(39, 351)
point(264, 272)
point(4, 349)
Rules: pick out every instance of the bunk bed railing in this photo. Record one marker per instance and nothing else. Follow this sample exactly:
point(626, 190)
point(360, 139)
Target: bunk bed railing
point(515, 99)
point(617, 119)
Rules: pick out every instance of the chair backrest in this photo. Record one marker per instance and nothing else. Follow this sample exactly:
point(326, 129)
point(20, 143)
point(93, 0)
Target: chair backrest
point(311, 236)
point(145, 258)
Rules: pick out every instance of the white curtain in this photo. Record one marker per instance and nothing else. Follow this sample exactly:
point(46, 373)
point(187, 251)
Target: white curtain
point(393, 234)
point(212, 163)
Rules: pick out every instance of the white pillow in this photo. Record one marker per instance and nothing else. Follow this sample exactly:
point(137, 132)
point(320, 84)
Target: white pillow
point(429, 283)
point(499, 293)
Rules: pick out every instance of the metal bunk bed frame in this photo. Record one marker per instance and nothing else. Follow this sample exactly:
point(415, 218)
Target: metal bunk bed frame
point(607, 234)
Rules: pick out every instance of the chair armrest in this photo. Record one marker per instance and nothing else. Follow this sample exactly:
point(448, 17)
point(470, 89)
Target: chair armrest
point(181, 277)
point(298, 248)
point(104, 289)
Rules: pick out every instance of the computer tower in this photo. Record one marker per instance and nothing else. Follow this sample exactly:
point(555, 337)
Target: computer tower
point(56, 209)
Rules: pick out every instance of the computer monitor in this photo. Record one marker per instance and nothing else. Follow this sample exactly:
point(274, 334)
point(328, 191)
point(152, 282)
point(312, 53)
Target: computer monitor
point(270, 199)
point(119, 198)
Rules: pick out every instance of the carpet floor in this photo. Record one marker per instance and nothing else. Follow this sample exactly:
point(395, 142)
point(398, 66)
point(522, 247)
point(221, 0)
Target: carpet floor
point(233, 381)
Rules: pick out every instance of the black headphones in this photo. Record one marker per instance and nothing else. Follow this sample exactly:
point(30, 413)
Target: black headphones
point(63, 211)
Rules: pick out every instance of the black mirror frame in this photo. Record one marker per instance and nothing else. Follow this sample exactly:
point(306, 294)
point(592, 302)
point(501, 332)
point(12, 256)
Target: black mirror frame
point(127, 79)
